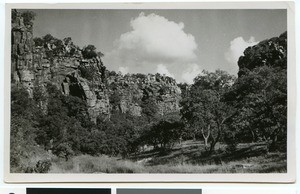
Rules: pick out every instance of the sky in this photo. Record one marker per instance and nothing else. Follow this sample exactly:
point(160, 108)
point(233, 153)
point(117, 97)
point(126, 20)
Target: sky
point(177, 43)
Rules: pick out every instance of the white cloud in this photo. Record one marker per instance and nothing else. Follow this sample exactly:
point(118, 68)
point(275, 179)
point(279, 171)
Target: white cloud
point(190, 73)
point(152, 40)
point(163, 70)
point(123, 70)
point(237, 47)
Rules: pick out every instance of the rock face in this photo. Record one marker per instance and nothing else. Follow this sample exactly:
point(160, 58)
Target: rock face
point(136, 88)
point(22, 64)
point(87, 79)
point(271, 52)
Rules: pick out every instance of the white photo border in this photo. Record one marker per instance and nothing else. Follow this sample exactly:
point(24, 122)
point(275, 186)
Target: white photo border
point(288, 177)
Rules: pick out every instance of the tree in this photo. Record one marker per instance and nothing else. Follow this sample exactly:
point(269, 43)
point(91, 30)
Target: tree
point(48, 38)
point(165, 132)
point(14, 14)
point(204, 109)
point(24, 123)
point(20, 101)
point(39, 42)
point(89, 52)
point(70, 48)
point(58, 47)
point(62, 130)
point(53, 47)
point(262, 105)
point(120, 135)
point(260, 94)
point(22, 127)
point(100, 54)
point(115, 99)
point(28, 17)
point(67, 40)
point(184, 87)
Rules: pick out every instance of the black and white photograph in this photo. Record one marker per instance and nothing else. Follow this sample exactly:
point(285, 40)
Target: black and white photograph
point(148, 91)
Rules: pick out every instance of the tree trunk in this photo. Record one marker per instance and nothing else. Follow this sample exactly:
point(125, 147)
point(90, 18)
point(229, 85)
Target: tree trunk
point(206, 141)
point(273, 145)
point(180, 140)
point(215, 140)
point(253, 136)
point(206, 137)
point(212, 146)
point(194, 137)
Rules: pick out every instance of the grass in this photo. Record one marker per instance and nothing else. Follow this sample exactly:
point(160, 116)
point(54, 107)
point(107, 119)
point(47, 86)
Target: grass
point(29, 158)
point(184, 159)
point(93, 164)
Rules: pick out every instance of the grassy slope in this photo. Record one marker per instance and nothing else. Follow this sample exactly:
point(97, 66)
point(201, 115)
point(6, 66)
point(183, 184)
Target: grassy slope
point(186, 158)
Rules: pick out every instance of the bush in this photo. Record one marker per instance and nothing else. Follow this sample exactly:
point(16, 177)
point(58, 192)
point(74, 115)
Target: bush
point(88, 72)
point(116, 137)
point(231, 141)
point(42, 166)
point(63, 129)
point(53, 47)
point(89, 52)
point(63, 150)
point(39, 42)
point(165, 132)
point(23, 128)
point(20, 101)
point(28, 17)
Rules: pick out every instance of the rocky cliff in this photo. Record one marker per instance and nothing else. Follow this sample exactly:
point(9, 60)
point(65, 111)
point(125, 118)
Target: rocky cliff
point(271, 52)
point(61, 63)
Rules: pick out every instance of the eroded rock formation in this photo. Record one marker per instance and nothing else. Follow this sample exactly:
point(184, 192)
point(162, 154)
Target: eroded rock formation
point(87, 79)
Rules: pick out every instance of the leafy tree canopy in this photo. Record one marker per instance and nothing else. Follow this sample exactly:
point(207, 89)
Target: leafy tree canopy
point(203, 109)
point(89, 52)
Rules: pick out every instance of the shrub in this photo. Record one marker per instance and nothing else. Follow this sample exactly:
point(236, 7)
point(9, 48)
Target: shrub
point(88, 72)
point(63, 150)
point(165, 132)
point(231, 141)
point(39, 42)
point(28, 17)
point(42, 166)
point(89, 52)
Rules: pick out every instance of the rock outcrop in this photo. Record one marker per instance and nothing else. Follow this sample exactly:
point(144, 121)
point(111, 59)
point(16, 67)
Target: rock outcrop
point(136, 88)
point(271, 52)
point(22, 65)
point(88, 79)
